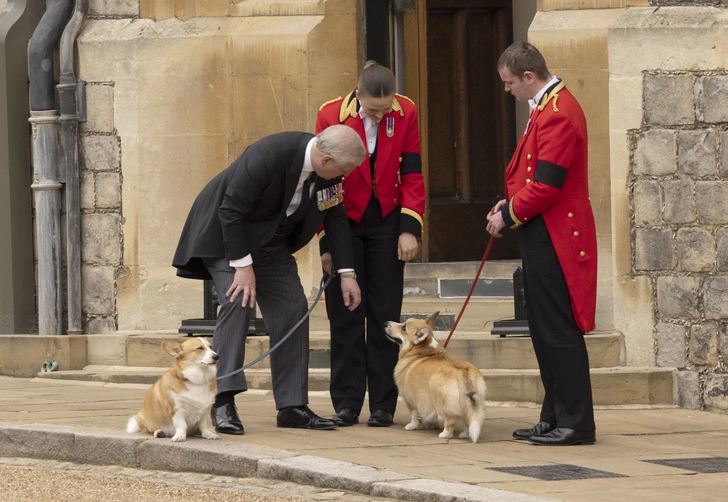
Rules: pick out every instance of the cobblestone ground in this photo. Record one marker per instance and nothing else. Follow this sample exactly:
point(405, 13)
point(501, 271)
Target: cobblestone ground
point(31, 480)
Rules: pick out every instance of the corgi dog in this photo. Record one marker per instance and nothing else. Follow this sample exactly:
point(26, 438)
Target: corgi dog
point(439, 391)
point(180, 401)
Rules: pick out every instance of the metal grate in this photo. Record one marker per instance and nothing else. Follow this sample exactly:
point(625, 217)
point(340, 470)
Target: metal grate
point(704, 465)
point(558, 472)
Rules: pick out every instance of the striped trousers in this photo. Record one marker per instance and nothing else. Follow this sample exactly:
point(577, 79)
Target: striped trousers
point(282, 303)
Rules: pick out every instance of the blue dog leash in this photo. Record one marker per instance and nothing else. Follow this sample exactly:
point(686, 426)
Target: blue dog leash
point(325, 280)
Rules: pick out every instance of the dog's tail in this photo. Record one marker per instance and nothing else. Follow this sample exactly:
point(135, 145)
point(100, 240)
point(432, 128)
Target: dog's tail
point(132, 425)
point(472, 403)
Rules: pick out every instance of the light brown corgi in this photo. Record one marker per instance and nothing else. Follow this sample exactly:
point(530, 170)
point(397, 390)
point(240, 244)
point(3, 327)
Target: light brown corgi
point(180, 401)
point(438, 390)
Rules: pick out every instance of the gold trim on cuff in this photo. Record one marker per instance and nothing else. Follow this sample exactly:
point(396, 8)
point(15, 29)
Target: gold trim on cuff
point(513, 216)
point(414, 214)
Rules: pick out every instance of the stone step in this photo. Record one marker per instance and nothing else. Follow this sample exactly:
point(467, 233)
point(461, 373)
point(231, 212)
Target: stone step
point(478, 316)
point(480, 348)
point(611, 386)
point(461, 269)
point(453, 280)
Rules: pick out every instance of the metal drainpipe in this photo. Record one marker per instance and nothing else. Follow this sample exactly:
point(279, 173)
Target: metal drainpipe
point(72, 99)
point(46, 187)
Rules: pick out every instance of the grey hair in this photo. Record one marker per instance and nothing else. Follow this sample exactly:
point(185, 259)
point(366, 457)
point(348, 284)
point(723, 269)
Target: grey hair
point(343, 144)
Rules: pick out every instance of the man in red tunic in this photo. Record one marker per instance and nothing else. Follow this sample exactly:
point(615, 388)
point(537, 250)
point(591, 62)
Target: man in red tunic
point(547, 194)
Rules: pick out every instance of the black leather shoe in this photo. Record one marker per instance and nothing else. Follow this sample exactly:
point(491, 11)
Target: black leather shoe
point(301, 417)
point(539, 428)
point(346, 417)
point(562, 436)
point(380, 418)
point(226, 421)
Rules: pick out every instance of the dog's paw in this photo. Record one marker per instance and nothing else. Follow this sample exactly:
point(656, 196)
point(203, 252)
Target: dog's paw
point(446, 434)
point(159, 433)
point(178, 438)
point(464, 434)
point(210, 434)
point(412, 426)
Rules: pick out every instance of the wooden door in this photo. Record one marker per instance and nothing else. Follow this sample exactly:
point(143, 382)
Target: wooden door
point(470, 126)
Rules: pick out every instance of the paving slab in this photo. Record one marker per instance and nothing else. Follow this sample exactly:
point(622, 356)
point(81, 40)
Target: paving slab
point(84, 422)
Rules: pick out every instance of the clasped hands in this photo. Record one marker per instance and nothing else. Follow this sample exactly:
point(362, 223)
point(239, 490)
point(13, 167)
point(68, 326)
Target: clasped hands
point(495, 220)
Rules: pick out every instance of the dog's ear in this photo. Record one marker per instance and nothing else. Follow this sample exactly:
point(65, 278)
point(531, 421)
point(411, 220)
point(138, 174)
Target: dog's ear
point(421, 335)
point(172, 348)
point(433, 318)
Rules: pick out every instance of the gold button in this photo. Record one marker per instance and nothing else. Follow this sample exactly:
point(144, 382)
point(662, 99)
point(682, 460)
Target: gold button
point(582, 253)
point(525, 219)
point(396, 185)
point(529, 169)
point(570, 215)
point(395, 201)
point(576, 234)
point(343, 178)
point(400, 159)
point(528, 156)
point(528, 181)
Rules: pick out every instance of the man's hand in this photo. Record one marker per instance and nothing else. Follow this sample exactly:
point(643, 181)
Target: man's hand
point(327, 263)
point(351, 292)
point(407, 247)
point(495, 220)
point(244, 281)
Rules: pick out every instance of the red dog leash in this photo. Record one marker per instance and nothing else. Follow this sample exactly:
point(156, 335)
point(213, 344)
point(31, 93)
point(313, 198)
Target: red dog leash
point(482, 262)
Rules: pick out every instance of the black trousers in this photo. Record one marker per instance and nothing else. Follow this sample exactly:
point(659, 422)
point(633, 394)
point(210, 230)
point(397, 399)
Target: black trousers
point(558, 342)
point(361, 353)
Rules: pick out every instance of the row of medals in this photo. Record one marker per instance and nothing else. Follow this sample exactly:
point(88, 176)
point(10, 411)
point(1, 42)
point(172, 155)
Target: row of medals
point(330, 196)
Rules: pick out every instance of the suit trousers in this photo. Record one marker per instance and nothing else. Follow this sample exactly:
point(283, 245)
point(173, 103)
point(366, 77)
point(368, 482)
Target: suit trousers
point(361, 353)
point(282, 303)
point(557, 340)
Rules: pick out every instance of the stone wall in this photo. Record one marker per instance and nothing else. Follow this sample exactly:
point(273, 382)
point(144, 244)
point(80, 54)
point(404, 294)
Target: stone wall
point(679, 194)
point(173, 102)
point(102, 239)
point(670, 155)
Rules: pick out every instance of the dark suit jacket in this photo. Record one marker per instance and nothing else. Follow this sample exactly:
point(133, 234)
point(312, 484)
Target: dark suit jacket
point(241, 208)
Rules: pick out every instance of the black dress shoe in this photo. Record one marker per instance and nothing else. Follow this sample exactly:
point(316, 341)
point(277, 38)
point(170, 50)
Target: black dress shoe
point(539, 428)
point(301, 417)
point(226, 421)
point(380, 418)
point(346, 417)
point(562, 436)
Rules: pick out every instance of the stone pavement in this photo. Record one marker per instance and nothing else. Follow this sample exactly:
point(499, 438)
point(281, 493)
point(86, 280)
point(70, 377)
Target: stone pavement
point(642, 454)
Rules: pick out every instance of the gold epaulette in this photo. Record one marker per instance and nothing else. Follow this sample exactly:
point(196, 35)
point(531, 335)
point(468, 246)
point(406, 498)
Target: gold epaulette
point(553, 94)
point(329, 102)
point(405, 97)
point(348, 109)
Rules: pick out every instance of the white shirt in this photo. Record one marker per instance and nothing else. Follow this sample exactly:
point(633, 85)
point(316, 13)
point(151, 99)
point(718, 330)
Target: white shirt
point(295, 200)
point(370, 128)
point(533, 103)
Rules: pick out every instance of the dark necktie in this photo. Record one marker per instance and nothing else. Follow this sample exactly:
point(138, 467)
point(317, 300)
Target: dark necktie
point(300, 211)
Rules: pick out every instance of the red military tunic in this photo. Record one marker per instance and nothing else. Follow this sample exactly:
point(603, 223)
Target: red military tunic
point(399, 180)
point(548, 175)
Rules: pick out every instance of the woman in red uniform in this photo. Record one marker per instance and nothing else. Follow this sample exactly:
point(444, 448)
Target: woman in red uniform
point(385, 202)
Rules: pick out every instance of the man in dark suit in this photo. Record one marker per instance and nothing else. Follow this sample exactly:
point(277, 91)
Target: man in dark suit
point(242, 232)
